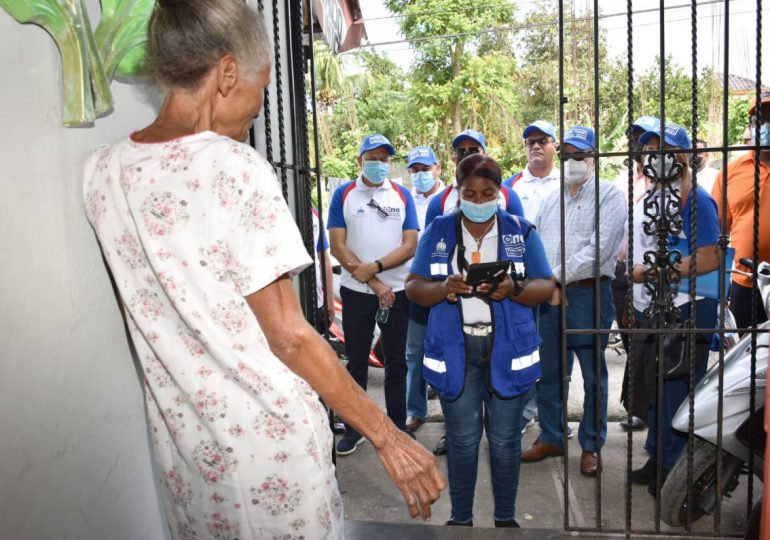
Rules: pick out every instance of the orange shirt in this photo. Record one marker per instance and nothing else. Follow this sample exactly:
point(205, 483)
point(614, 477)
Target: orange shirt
point(740, 210)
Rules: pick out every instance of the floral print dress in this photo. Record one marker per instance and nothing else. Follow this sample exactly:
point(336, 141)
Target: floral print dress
point(241, 444)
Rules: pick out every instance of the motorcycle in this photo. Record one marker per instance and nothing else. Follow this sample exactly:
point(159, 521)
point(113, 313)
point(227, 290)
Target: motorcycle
point(742, 434)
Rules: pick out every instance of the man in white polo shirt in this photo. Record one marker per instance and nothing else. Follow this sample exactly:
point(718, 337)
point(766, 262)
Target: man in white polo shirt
point(373, 232)
point(540, 177)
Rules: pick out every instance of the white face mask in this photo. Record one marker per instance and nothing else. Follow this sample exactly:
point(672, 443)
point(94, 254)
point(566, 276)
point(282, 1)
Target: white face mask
point(577, 172)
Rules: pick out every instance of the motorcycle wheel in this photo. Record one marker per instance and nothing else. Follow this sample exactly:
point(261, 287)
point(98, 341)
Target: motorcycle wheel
point(704, 473)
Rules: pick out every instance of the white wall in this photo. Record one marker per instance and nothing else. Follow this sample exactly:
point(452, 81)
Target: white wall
point(74, 455)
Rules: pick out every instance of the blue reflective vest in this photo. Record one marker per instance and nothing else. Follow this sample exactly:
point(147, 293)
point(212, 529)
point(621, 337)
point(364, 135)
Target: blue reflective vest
point(514, 362)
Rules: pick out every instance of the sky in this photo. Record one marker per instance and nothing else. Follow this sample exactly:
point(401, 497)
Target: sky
point(382, 27)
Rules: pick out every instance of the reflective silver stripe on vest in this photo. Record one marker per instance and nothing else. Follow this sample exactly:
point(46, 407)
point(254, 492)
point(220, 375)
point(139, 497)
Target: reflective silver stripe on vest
point(439, 366)
point(523, 362)
point(439, 269)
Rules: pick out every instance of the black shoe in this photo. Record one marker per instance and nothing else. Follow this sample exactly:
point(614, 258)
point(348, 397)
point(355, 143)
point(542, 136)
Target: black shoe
point(348, 444)
point(506, 524)
point(637, 424)
point(440, 448)
point(652, 487)
point(451, 523)
point(644, 476)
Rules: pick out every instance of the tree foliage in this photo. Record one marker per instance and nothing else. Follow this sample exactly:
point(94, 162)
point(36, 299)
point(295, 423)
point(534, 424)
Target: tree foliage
point(476, 65)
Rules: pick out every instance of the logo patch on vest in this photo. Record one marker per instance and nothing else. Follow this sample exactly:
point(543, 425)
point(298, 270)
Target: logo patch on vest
point(514, 245)
point(440, 250)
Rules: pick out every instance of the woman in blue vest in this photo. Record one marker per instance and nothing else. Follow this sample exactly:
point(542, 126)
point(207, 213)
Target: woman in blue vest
point(694, 204)
point(481, 343)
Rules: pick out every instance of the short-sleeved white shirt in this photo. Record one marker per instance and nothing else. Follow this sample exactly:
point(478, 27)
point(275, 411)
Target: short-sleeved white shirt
point(370, 235)
point(421, 206)
point(532, 190)
point(189, 228)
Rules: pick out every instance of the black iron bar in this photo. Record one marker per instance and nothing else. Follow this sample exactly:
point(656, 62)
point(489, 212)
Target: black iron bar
point(723, 244)
point(279, 99)
point(629, 311)
point(597, 275)
point(691, 338)
point(266, 112)
point(565, 376)
point(755, 257)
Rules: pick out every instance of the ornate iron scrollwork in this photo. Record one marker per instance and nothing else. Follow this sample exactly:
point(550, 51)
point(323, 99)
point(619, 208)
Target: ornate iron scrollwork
point(663, 218)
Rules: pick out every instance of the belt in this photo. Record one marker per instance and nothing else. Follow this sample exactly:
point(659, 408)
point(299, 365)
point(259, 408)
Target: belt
point(587, 282)
point(478, 330)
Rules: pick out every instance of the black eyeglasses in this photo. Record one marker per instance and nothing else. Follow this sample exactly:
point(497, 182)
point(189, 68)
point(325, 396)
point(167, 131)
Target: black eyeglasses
point(464, 152)
point(380, 210)
point(545, 141)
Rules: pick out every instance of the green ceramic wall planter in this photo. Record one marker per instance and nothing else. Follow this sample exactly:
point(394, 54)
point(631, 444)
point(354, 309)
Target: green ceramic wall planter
point(90, 59)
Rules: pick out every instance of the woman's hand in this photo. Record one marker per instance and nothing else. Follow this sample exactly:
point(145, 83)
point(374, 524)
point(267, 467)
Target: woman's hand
point(413, 470)
point(504, 289)
point(555, 299)
point(455, 285)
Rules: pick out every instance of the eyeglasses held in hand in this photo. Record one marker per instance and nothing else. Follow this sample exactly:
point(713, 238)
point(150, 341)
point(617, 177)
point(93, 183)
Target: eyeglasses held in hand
point(465, 152)
point(532, 142)
point(380, 210)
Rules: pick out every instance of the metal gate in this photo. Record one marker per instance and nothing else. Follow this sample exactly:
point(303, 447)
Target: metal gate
point(282, 133)
point(664, 217)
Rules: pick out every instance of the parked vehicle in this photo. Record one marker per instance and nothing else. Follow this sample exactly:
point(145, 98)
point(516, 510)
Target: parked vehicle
point(742, 434)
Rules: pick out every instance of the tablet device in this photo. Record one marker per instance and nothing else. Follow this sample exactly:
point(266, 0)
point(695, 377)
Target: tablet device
point(486, 272)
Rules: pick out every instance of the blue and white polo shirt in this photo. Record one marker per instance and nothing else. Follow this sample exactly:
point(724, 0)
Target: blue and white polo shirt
point(371, 235)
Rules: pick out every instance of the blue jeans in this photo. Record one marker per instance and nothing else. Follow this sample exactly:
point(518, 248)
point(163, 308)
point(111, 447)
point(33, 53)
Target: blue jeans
point(416, 387)
point(675, 392)
point(580, 314)
point(466, 417)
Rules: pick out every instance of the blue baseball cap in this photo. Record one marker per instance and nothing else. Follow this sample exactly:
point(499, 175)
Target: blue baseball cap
point(581, 137)
point(375, 141)
point(421, 154)
point(473, 135)
point(674, 135)
point(646, 123)
point(540, 125)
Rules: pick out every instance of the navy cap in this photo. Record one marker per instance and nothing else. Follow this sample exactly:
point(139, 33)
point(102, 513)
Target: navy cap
point(540, 125)
point(646, 123)
point(473, 135)
point(674, 135)
point(375, 141)
point(421, 154)
point(580, 137)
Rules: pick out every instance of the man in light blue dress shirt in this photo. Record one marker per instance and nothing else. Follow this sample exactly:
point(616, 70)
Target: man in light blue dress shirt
point(576, 289)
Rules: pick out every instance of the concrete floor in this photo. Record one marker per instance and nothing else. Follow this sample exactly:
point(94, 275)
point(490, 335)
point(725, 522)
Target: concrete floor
point(370, 497)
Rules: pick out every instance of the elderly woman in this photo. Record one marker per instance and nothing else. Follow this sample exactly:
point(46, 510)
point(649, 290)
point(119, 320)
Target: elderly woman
point(481, 343)
point(645, 364)
point(201, 245)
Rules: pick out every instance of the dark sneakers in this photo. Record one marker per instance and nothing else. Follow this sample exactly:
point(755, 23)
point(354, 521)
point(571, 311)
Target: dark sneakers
point(452, 523)
point(440, 448)
point(645, 475)
point(348, 444)
point(636, 424)
point(506, 524)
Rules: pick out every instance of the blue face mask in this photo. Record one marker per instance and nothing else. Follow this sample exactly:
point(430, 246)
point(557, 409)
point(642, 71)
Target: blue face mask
point(764, 135)
point(478, 212)
point(423, 181)
point(376, 171)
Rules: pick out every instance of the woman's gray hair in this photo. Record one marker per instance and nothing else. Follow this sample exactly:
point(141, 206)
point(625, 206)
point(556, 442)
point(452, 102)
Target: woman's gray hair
point(188, 37)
